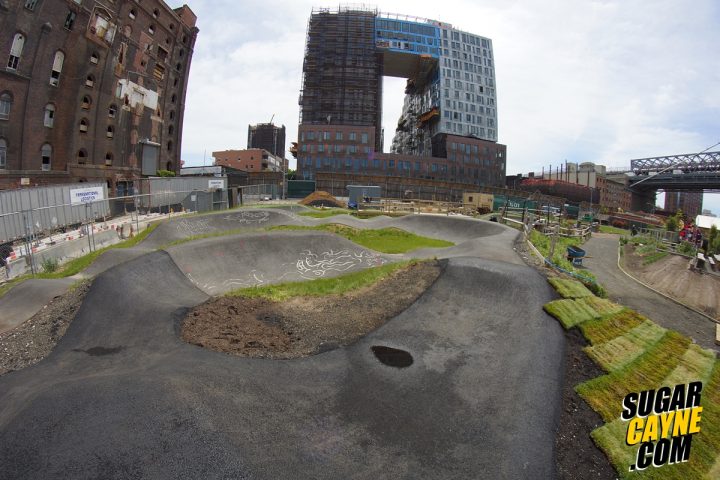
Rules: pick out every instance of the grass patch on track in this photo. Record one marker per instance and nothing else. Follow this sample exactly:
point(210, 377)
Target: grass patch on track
point(385, 240)
point(640, 355)
point(322, 286)
point(572, 312)
point(326, 212)
point(605, 393)
point(569, 288)
point(603, 330)
point(613, 230)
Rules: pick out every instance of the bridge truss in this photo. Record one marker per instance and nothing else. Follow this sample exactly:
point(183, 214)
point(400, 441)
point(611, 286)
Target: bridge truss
point(687, 163)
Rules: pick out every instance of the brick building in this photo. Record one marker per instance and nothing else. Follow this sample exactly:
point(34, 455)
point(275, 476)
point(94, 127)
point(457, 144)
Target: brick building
point(267, 136)
point(614, 194)
point(250, 160)
point(92, 91)
point(690, 203)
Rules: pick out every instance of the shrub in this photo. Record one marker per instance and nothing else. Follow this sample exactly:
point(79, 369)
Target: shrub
point(50, 265)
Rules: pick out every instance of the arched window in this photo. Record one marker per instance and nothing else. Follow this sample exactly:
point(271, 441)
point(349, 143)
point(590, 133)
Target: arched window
point(90, 81)
point(57, 68)
point(86, 102)
point(108, 158)
point(172, 115)
point(94, 58)
point(168, 166)
point(132, 14)
point(169, 145)
point(151, 29)
point(112, 111)
point(83, 125)
point(46, 153)
point(5, 104)
point(110, 131)
point(171, 129)
point(49, 115)
point(156, 12)
point(16, 51)
point(173, 98)
point(3, 153)
point(82, 156)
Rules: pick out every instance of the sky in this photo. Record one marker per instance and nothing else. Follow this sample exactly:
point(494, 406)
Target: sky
point(577, 80)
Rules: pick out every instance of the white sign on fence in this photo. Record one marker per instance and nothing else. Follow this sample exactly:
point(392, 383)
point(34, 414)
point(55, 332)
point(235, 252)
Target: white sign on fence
point(215, 184)
point(86, 195)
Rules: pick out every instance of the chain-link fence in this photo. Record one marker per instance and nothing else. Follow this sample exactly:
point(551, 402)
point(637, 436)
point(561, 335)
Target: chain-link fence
point(257, 193)
point(47, 233)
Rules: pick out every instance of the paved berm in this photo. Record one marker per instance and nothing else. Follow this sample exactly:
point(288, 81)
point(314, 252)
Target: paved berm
point(122, 396)
point(603, 250)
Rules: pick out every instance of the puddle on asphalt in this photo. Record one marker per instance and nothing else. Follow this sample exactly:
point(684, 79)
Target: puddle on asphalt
point(392, 357)
point(100, 351)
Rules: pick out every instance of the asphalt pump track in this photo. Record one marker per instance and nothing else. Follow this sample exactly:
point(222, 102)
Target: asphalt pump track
point(122, 396)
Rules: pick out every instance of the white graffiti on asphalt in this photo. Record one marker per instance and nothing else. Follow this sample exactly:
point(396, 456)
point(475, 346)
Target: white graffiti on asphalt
point(314, 265)
point(195, 226)
point(248, 217)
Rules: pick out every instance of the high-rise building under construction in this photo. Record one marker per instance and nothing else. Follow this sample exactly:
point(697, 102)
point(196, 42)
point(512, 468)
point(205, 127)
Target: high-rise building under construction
point(448, 127)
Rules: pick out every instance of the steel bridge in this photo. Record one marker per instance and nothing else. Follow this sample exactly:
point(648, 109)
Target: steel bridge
point(688, 172)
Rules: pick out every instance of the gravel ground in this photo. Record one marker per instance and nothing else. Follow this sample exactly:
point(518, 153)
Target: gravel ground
point(304, 326)
point(34, 340)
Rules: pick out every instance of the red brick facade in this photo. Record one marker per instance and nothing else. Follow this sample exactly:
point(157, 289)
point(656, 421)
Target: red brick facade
point(250, 160)
point(74, 113)
point(350, 149)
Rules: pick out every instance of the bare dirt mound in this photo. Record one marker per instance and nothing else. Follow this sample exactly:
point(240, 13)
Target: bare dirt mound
point(672, 276)
point(321, 199)
point(305, 325)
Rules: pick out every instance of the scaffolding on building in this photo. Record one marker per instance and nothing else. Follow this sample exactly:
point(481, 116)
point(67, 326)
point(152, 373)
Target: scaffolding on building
point(342, 72)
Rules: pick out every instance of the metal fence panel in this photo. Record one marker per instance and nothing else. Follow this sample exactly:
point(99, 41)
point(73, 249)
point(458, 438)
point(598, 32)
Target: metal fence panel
point(33, 210)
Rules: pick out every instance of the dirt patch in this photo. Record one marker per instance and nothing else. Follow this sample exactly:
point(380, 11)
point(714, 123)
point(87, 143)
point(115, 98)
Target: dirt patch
point(34, 340)
point(673, 277)
point(321, 199)
point(577, 455)
point(304, 326)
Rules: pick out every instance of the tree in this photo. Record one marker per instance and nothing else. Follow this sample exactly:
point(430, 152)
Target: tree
point(290, 175)
point(713, 241)
point(672, 224)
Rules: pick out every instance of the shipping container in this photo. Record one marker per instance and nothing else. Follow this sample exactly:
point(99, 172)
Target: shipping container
point(28, 211)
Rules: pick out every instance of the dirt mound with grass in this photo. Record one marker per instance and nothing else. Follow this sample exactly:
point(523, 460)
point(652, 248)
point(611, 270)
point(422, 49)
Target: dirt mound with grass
point(301, 326)
point(321, 199)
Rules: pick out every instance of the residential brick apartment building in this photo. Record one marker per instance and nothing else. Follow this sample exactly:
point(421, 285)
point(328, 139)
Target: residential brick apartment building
point(690, 203)
point(250, 160)
point(614, 194)
point(91, 90)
